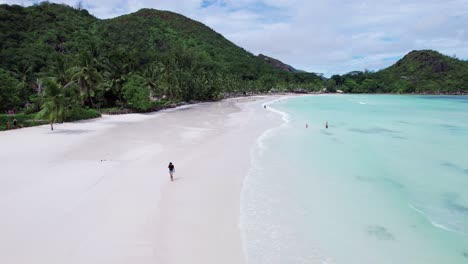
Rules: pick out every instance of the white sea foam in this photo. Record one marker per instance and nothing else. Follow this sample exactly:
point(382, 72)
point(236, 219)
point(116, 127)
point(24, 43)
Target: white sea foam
point(248, 197)
point(260, 144)
point(431, 220)
point(284, 115)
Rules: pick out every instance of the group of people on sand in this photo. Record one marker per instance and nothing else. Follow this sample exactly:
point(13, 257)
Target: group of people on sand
point(9, 125)
point(15, 124)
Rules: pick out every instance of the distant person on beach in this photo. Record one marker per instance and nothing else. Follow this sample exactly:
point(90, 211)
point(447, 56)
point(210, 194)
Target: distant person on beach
point(15, 123)
point(326, 124)
point(171, 170)
point(264, 106)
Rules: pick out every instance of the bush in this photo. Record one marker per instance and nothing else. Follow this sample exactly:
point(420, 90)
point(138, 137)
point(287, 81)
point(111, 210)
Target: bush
point(161, 104)
point(28, 120)
point(24, 120)
point(136, 93)
point(9, 91)
point(81, 114)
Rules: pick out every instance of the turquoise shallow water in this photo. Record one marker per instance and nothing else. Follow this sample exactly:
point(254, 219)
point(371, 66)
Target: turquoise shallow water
point(387, 182)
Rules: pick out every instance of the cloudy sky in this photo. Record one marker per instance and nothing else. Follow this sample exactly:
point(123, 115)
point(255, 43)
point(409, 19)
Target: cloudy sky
point(327, 36)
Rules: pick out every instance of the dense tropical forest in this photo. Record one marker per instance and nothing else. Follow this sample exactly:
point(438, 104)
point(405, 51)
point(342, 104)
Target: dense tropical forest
point(59, 63)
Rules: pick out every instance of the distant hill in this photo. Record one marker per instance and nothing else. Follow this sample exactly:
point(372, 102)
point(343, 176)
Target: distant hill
point(424, 71)
point(277, 63)
point(177, 57)
point(427, 71)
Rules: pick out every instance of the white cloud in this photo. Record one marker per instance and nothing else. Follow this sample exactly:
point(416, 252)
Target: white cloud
point(333, 36)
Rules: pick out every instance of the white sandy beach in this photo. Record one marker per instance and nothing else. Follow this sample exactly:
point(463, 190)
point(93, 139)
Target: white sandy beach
point(99, 192)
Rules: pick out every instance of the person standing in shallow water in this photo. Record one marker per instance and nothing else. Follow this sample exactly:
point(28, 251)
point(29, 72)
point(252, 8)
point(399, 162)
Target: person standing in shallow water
point(326, 124)
point(171, 170)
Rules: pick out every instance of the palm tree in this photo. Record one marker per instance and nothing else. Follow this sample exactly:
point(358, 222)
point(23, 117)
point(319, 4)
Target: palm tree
point(24, 75)
point(115, 77)
point(152, 74)
point(86, 75)
point(56, 104)
point(60, 70)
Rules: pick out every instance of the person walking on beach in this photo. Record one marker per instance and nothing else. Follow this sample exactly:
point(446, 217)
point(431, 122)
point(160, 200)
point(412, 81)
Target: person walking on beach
point(15, 123)
point(171, 170)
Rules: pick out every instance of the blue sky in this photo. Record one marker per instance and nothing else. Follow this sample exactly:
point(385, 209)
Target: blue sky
point(329, 36)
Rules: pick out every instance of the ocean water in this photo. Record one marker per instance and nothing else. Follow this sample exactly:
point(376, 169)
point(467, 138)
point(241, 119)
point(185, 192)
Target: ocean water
point(387, 182)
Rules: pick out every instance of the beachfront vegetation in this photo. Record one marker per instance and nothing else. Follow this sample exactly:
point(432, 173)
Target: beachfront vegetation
point(136, 93)
point(23, 120)
point(57, 101)
point(9, 90)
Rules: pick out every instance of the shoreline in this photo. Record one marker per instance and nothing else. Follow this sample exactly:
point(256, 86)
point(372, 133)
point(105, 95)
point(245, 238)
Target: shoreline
point(98, 191)
point(254, 153)
point(126, 111)
point(206, 228)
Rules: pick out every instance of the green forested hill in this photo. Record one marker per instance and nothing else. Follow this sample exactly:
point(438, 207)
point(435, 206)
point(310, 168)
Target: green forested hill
point(126, 60)
point(423, 71)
